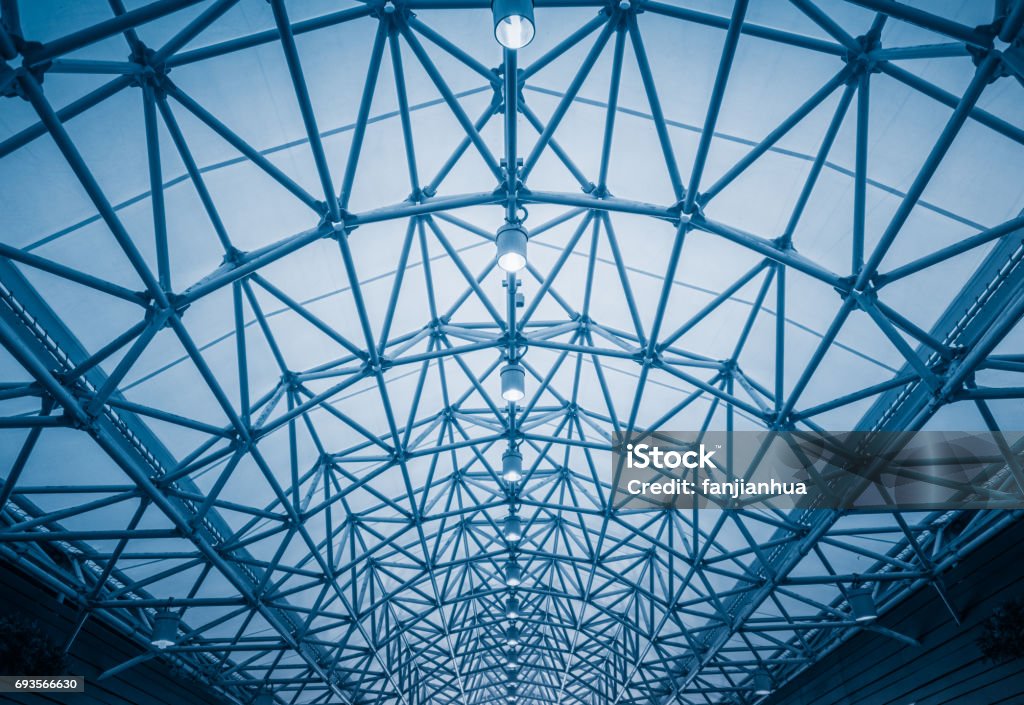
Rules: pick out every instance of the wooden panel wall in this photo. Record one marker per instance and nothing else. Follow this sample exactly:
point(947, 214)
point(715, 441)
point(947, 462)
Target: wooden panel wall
point(948, 668)
point(96, 649)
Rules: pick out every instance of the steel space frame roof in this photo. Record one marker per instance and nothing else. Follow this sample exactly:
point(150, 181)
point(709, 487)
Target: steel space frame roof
point(401, 600)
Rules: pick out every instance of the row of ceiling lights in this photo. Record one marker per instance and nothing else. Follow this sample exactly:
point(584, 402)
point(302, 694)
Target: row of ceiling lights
point(513, 28)
point(510, 243)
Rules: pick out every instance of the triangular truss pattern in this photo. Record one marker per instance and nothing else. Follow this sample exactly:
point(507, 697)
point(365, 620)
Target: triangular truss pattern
point(293, 439)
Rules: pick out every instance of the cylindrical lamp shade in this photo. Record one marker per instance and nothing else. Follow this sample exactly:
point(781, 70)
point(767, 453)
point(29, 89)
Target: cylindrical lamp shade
point(512, 466)
point(511, 244)
point(513, 22)
point(513, 574)
point(513, 528)
point(513, 382)
point(511, 660)
point(862, 602)
point(512, 635)
point(512, 689)
point(165, 629)
point(762, 683)
point(513, 609)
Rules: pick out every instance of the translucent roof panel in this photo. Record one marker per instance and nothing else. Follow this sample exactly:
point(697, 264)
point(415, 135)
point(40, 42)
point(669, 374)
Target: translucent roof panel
point(254, 327)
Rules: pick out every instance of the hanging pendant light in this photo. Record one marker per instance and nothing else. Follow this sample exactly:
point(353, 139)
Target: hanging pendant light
point(511, 243)
point(862, 603)
point(513, 574)
point(512, 528)
point(513, 22)
point(513, 609)
point(512, 635)
point(762, 683)
point(165, 629)
point(512, 465)
point(513, 382)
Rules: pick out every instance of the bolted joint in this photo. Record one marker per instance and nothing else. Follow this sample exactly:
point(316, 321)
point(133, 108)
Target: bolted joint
point(860, 63)
point(334, 231)
point(783, 244)
point(860, 60)
point(151, 72)
point(845, 286)
point(290, 380)
point(376, 367)
point(679, 208)
point(160, 316)
point(29, 50)
point(648, 359)
point(232, 257)
point(11, 78)
point(865, 298)
point(514, 340)
point(978, 55)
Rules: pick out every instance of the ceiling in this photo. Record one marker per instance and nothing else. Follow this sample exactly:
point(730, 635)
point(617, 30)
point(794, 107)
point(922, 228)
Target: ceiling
point(253, 324)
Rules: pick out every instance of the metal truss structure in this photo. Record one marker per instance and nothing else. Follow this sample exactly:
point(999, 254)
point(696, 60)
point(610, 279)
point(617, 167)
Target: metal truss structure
point(330, 531)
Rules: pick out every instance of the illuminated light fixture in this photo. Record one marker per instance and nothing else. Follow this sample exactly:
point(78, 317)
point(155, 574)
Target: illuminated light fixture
point(512, 465)
point(511, 660)
point(512, 528)
point(165, 629)
point(513, 609)
point(862, 602)
point(513, 22)
point(762, 683)
point(512, 635)
point(512, 689)
point(513, 382)
point(513, 574)
point(511, 243)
